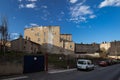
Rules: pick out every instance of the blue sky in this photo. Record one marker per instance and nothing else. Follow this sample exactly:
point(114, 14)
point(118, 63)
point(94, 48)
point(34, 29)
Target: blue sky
point(87, 20)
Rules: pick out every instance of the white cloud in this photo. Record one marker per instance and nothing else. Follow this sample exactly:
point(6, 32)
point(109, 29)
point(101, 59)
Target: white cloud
point(73, 1)
point(44, 6)
point(21, 6)
point(26, 26)
point(82, 18)
point(78, 19)
point(14, 36)
point(78, 26)
point(27, 4)
point(62, 13)
point(32, 5)
point(83, 27)
point(20, 0)
point(92, 16)
point(32, 0)
point(60, 16)
point(109, 3)
point(80, 12)
point(33, 24)
point(45, 15)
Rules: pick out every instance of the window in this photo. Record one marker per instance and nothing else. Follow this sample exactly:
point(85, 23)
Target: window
point(81, 62)
point(26, 37)
point(38, 39)
point(71, 46)
point(31, 29)
point(25, 42)
point(44, 40)
point(24, 47)
point(37, 34)
point(44, 34)
point(29, 38)
point(69, 38)
point(44, 37)
point(89, 63)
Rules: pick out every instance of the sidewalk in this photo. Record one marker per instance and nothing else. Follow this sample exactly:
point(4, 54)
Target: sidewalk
point(60, 70)
point(40, 74)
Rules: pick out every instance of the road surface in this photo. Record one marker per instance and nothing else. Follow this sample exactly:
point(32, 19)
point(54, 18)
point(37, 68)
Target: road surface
point(100, 73)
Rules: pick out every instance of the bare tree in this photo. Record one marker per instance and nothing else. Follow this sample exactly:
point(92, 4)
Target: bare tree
point(4, 33)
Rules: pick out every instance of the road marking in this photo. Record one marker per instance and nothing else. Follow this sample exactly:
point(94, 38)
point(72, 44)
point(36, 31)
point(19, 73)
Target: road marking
point(16, 78)
point(59, 71)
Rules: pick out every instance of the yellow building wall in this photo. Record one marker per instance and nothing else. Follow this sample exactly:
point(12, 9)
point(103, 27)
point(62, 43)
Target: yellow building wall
point(43, 34)
point(47, 36)
point(106, 46)
point(66, 37)
point(67, 47)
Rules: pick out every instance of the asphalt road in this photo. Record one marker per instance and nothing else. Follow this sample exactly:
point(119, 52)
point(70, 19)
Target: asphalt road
point(100, 73)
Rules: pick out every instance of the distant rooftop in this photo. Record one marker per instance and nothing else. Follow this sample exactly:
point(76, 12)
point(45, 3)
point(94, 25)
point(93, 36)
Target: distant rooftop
point(41, 26)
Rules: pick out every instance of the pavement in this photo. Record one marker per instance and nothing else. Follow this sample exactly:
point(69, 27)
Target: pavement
point(25, 76)
point(100, 73)
point(60, 70)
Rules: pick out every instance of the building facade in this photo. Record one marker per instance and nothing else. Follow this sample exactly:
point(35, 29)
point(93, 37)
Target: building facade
point(87, 49)
point(112, 48)
point(105, 45)
point(66, 44)
point(66, 37)
point(25, 45)
point(49, 38)
point(115, 48)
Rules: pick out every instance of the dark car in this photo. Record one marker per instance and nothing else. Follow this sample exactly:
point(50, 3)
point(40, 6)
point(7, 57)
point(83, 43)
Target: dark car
point(103, 63)
point(109, 62)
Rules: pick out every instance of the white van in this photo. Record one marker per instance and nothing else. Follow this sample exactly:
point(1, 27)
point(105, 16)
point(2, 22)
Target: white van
point(85, 64)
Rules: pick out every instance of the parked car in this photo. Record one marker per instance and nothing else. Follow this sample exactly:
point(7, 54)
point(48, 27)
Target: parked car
point(115, 61)
point(118, 61)
point(109, 62)
point(85, 64)
point(103, 63)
